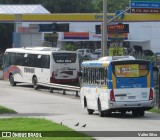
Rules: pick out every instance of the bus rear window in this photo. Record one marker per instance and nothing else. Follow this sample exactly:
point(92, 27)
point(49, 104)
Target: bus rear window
point(64, 57)
point(131, 70)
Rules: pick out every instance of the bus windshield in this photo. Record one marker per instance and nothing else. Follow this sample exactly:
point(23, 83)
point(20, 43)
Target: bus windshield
point(64, 57)
point(131, 70)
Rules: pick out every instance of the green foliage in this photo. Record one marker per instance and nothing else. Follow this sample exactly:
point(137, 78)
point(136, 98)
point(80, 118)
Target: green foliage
point(74, 6)
point(155, 110)
point(151, 58)
point(69, 47)
point(6, 31)
point(4, 110)
point(35, 124)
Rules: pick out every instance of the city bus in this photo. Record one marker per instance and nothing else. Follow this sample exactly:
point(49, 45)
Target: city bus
point(40, 64)
point(117, 84)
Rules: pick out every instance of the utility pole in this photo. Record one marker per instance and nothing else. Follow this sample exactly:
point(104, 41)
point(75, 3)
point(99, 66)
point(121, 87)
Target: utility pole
point(104, 28)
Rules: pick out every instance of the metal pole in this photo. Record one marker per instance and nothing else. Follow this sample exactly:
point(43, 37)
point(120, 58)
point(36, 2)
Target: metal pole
point(102, 50)
point(118, 15)
point(104, 45)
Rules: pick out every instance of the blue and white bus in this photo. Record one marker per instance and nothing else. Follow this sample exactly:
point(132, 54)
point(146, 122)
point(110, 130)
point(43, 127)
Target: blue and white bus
point(117, 84)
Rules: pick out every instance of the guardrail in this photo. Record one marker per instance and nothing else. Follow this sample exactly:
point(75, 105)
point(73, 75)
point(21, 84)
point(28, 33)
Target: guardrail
point(60, 86)
point(1, 74)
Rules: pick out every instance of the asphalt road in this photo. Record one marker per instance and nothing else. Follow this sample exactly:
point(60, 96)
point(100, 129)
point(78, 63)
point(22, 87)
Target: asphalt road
point(67, 109)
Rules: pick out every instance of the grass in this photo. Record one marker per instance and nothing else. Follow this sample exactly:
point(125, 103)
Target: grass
point(155, 110)
point(45, 127)
point(4, 110)
point(48, 129)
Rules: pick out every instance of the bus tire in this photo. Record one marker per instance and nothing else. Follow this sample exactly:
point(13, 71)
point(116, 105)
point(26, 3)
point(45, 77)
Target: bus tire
point(34, 81)
point(11, 80)
point(123, 113)
point(141, 113)
point(90, 111)
point(108, 113)
point(101, 113)
point(85, 102)
point(135, 113)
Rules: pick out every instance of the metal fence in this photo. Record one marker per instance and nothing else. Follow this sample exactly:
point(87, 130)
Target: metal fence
point(60, 86)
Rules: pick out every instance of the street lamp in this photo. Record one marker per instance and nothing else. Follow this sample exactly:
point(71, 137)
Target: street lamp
point(104, 30)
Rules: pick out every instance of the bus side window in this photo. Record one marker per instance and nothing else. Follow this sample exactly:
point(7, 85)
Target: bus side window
point(45, 61)
point(106, 76)
point(89, 75)
point(92, 75)
point(5, 61)
point(25, 60)
point(39, 61)
point(12, 58)
point(19, 59)
point(97, 76)
point(32, 60)
point(85, 75)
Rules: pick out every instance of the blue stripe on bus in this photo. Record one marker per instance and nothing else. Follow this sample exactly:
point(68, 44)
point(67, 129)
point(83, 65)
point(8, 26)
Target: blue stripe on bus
point(110, 84)
point(140, 82)
point(151, 71)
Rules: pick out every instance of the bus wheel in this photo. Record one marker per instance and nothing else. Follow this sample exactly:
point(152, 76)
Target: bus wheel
point(11, 80)
point(101, 113)
point(90, 111)
point(123, 113)
point(34, 81)
point(135, 113)
point(108, 113)
point(141, 113)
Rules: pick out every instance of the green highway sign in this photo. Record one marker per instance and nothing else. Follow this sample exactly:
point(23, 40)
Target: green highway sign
point(145, 0)
point(145, 6)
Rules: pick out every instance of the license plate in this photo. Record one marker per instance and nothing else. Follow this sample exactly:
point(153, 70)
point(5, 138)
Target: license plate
point(131, 97)
point(144, 94)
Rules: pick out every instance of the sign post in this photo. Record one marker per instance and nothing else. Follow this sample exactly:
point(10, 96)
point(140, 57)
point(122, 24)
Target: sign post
point(104, 38)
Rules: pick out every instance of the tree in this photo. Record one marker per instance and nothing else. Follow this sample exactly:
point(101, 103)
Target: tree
point(69, 47)
point(70, 6)
point(74, 6)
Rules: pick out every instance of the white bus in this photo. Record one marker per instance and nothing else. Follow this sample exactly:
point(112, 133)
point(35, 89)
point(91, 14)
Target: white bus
point(117, 84)
point(40, 64)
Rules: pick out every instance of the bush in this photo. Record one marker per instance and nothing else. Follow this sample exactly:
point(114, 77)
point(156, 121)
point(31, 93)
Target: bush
point(69, 47)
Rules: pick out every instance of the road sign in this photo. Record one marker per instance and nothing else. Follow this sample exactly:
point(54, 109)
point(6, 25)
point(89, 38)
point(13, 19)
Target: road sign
point(145, 4)
point(144, 10)
point(116, 51)
point(146, 0)
point(114, 28)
